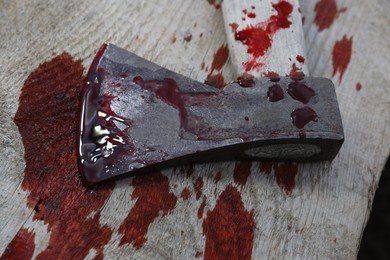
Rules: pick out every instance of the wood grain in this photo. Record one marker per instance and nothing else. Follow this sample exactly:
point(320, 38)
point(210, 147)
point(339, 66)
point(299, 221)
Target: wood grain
point(327, 210)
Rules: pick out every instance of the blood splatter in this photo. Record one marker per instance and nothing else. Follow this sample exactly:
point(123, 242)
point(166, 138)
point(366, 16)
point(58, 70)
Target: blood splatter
point(22, 246)
point(198, 185)
point(258, 38)
point(215, 3)
point(185, 194)
point(275, 93)
point(201, 208)
point(241, 172)
point(358, 86)
point(300, 59)
point(273, 76)
point(188, 37)
point(220, 58)
point(300, 91)
point(173, 39)
point(246, 80)
point(302, 116)
point(341, 56)
point(326, 12)
point(47, 120)
point(234, 27)
point(266, 167)
point(153, 199)
point(285, 176)
point(229, 228)
point(296, 73)
point(198, 254)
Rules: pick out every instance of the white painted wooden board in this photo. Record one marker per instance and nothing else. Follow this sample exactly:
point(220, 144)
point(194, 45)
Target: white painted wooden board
point(325, 215)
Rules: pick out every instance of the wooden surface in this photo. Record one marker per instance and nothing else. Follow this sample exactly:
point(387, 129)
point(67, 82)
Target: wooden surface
point(193, 213)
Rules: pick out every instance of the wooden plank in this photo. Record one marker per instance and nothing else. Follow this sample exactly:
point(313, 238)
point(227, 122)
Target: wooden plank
point(321, 217)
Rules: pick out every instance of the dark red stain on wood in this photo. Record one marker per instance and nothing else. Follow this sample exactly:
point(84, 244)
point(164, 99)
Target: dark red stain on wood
point(198, 254)
point(358, 86)
point(285, 176)
point(326, 12)
point(266, 167)
point(247, 80)
point(300, 59)
point(153, 199)
point(220, 58)
point(188, 37)
point(22, 246)
point(258, 38)
point(241, 172)
point(229, 228)
point(296, 73)
point(215, 3)
point(198, 185)
point(201, 208)
point(273, 76)
point(217, 177)
point(185, 194)
point(47, 120)
point(341, 56)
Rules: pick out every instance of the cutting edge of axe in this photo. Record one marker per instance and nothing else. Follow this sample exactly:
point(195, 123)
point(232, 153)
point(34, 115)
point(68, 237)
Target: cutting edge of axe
point(139, 117)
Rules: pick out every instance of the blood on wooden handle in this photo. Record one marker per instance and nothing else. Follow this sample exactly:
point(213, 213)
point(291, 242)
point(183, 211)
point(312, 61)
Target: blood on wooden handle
point(265, 37)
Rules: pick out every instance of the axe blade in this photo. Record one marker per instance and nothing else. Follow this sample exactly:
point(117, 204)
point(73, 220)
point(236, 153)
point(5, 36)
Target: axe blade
point(137, 116)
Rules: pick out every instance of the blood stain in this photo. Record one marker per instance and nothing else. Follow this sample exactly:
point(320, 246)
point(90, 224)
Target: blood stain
point(198, 254)
point(326, 12)
point(300, 91)
point(266, 167)
point(173, 39)
point(296, 73)
point(188, 37)
point(246, 80)
point(217, 177)
point(275, 93)
point(185, 194)
point(285, 176)
point(229, 228)
point(215, 3)
point(22, 246)
point(47, 121)
point(220, 58)
point(234, 27)
point(201, 208)
point(153, 199)
point(300, 59)
point(341, 56)
point(258, 38)
point(273, 76)
point(302, 116)
point(198, 185)
point(241, 172)
point(358, 86)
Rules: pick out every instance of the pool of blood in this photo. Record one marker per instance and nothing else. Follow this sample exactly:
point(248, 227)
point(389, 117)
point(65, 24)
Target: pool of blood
point(300, 91)
point(302, 116)
point(275, 93)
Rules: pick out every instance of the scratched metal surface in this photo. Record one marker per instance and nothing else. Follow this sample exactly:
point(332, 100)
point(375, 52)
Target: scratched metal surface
point(181, 213)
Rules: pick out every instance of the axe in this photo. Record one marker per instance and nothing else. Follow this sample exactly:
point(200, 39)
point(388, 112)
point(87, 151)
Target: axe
point(138, 117)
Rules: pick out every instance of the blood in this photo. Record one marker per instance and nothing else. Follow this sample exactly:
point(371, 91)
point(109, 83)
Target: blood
point(173, 39)
point(215, 3)
point(300, 59)
point(341, 56)
point(47, 121)
point(188, 38)
point(300, 91)
point(201, 208)
point(229, 228)
point(241, 172)
point(198, 185)
point(251, 15)
point(302, 116)
point(285, 176)
point(358, 86)
point(234, 27)
point(217, 177)
point(273, 76)
point(266, 167)
point(326, 12)
point(198, 254)
point(22, 246)
point(185, 194)
point(220, 58)
point(258, 38)
point(246, 80)
point(275, 93)
point(153, 199)
point(296, 73)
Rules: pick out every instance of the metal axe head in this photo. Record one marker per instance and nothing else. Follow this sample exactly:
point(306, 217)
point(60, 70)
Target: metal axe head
point(137, 116)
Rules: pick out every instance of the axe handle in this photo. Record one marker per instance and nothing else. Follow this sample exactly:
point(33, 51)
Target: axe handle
point(265, 36)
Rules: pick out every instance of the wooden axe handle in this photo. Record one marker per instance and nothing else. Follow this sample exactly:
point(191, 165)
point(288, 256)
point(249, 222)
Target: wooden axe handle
point(265, 36)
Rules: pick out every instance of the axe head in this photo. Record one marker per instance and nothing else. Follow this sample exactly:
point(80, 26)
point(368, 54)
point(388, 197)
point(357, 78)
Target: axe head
point(137, 116)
